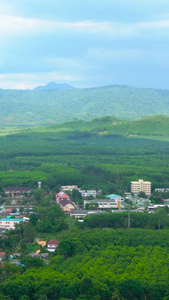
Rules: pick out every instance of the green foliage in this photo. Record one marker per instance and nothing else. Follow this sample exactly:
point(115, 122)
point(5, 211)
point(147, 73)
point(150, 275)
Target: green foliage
point(29, 232)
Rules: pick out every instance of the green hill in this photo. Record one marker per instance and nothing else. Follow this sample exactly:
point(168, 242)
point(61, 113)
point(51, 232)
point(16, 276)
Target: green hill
point(44, 107)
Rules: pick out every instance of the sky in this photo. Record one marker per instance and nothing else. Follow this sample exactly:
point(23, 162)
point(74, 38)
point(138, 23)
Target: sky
point(84, 43)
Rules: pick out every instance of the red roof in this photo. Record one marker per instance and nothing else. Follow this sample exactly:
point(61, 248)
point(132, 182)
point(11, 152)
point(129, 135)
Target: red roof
point(9, 210)
point(2, 253)
point(53, 242)
point(62, 195)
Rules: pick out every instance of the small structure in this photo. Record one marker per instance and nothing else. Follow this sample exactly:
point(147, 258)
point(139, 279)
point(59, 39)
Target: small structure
point(52, 245)
point(39, 184)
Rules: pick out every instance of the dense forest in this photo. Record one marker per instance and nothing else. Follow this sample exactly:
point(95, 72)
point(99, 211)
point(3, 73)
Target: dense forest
point(94, 264)
point(42, 107)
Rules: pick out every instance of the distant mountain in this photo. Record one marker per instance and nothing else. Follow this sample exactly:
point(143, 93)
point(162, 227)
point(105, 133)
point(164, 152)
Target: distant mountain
point(53, 86)
point(23, 108)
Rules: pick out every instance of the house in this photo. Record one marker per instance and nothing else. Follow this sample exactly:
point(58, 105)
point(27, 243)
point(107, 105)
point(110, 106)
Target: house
point(66, 205)
point(52, 245)
point(8, 211)
point(14, 190)
point(61, 196)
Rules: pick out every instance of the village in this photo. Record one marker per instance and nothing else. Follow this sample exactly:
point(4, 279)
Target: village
point(19, 205)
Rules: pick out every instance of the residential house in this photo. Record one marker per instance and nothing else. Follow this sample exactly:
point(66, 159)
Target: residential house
point(62, 196)
point(52, 245)
point(66, 205)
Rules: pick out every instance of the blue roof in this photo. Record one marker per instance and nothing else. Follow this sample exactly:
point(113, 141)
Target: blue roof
point(111, 196)
point(11, 219)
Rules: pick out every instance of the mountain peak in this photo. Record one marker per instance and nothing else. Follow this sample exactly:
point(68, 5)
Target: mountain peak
point(54, 86)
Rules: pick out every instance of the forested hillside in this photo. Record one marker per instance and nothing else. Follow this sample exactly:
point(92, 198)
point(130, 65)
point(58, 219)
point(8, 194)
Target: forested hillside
point(105, 153)
point(42, 107)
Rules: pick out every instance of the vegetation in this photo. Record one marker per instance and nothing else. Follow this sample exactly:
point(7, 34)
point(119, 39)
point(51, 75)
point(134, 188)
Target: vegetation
point(25, 108)
point(99, 258)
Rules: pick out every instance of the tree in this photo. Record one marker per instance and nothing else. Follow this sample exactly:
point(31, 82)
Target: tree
point(77, 197)
point(92, 205)
point(38, 195)
point(161, 218)
point(142, 195)
point(29, 232)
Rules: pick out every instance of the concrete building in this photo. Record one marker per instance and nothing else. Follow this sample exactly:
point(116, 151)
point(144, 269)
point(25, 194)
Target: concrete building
point(69, 187)
point(15, 190)
point(141, 186)
point(86, 193)
point(9, 223)
point(104, 204)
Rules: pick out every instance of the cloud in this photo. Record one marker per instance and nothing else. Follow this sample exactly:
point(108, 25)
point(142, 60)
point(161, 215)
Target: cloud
point(31, 80)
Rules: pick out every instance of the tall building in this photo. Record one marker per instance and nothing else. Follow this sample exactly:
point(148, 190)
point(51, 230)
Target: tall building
point(141, 186)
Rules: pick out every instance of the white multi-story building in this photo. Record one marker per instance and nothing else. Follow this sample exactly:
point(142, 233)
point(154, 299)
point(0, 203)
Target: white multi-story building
point(86, 193)
point(105, 203)
point(9, 223)
point(141, 186)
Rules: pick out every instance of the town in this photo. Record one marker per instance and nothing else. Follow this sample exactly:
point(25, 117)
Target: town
point(20, 205)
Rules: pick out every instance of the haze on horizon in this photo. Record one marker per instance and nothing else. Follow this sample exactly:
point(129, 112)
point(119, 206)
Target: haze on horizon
point(84, 43)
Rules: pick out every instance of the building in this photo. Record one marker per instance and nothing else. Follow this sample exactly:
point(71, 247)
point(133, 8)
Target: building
point(81, 214)
point(141, 186)
point(69, 187)
point(66, 205)
point(9, 223)
point(87, 193)
point(162, 190)
point(61, 196)
point(104, 204)
point(15, 190)
point(52, 245)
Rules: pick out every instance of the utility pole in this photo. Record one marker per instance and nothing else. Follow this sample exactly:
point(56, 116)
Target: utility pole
point(128, 213)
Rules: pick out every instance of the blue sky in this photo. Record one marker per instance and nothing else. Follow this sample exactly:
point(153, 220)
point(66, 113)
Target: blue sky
point(84, 43)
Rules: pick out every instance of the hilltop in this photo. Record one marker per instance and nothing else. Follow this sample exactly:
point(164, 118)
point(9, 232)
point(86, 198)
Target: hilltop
point(44, 106)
